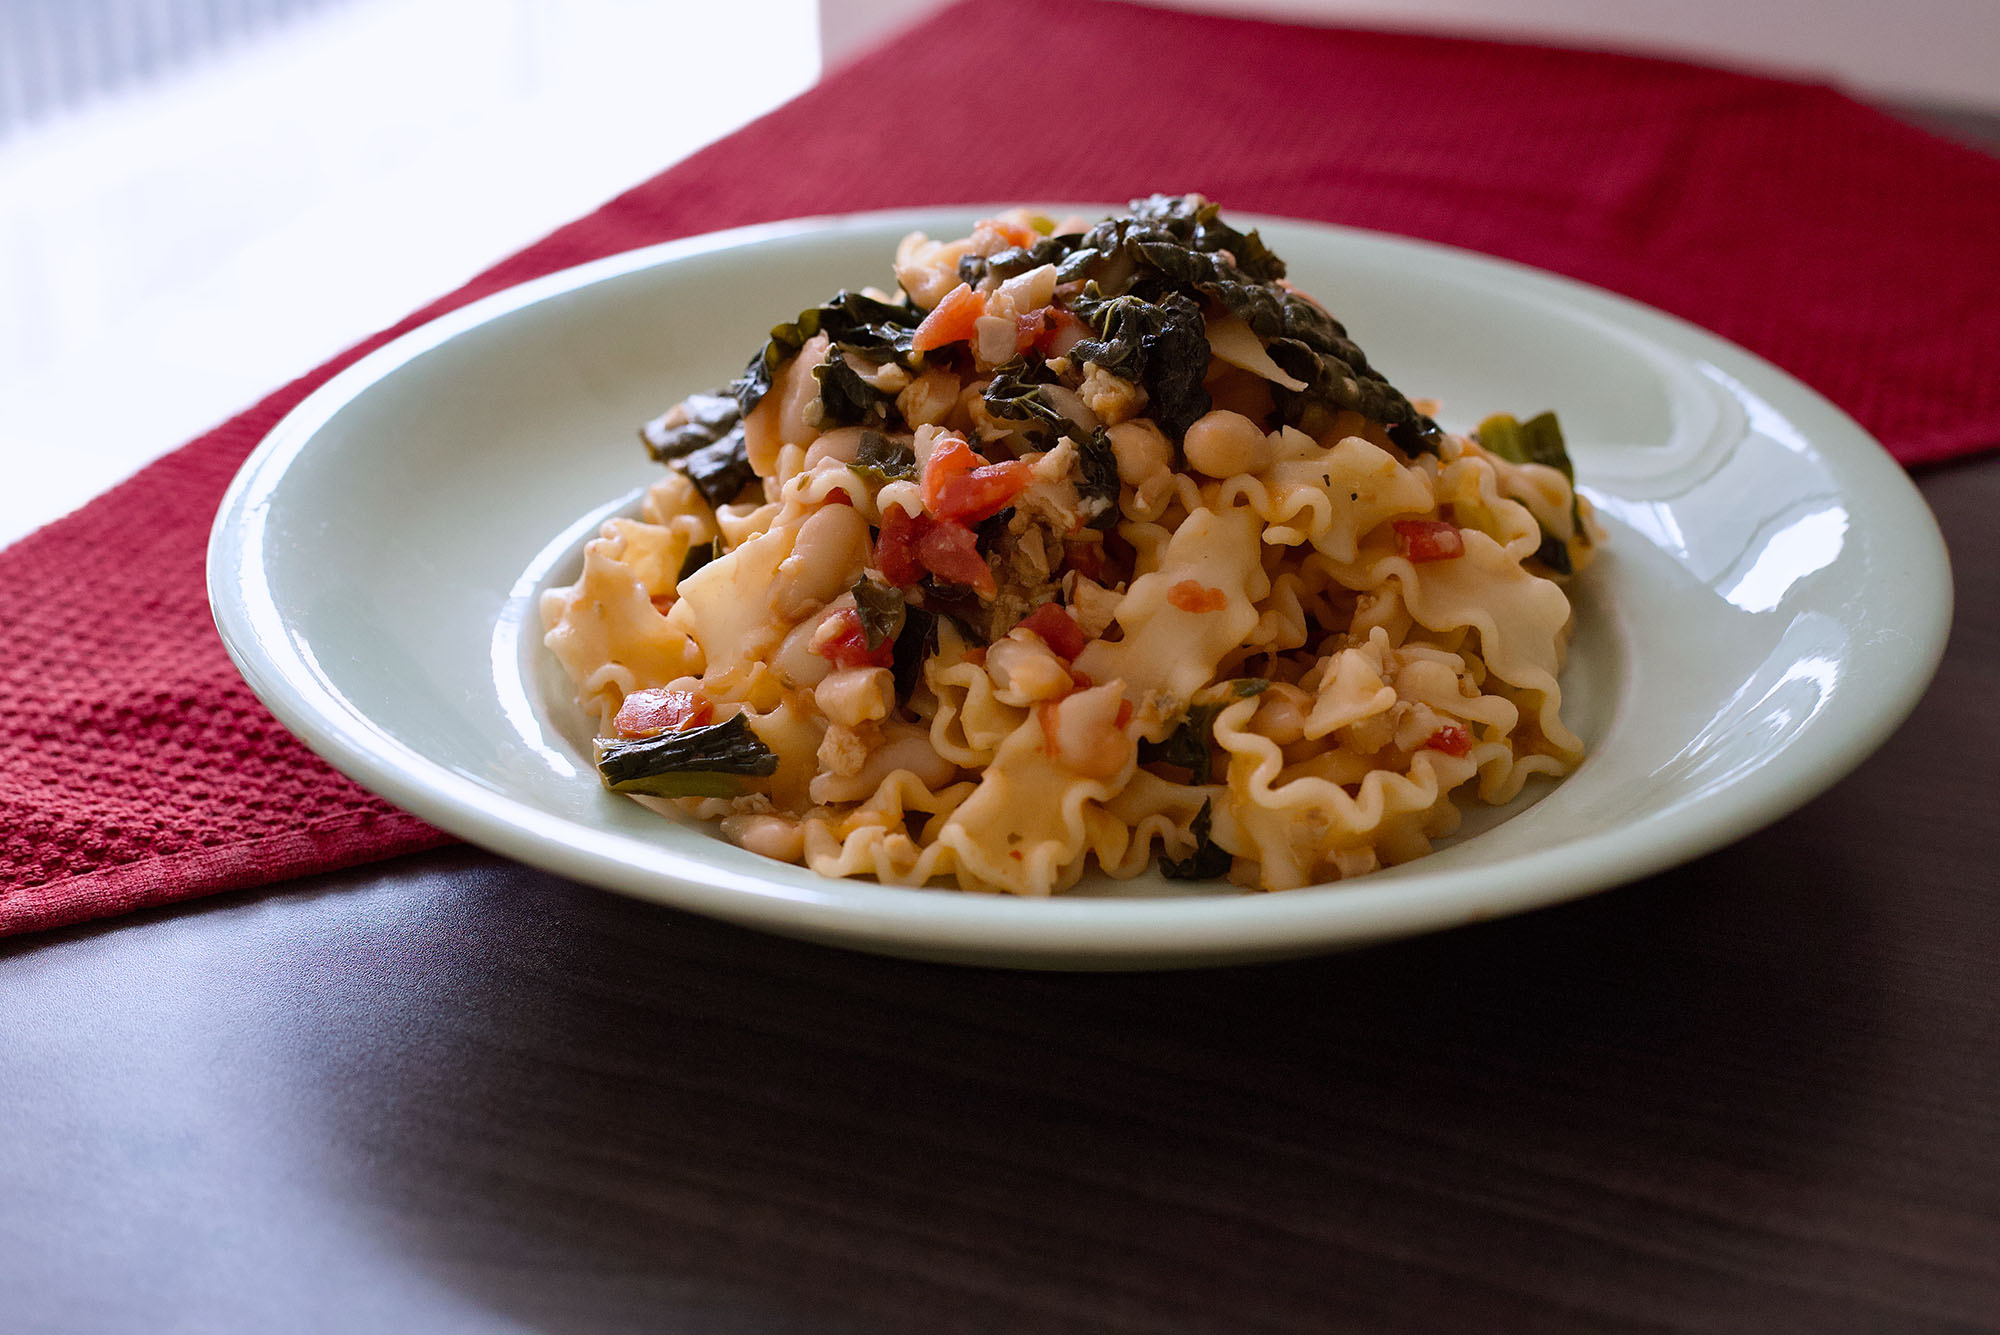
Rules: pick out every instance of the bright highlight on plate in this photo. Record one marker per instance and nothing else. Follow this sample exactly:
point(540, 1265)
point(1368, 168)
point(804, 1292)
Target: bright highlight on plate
point(1093, 540)
point(1770, 600)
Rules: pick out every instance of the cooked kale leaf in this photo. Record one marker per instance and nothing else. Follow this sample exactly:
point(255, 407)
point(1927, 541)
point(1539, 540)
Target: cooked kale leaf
point(881, 609)
point(709, 418)
point(712, 761)
point(882, 458)
point(1539, 440)
point(1005, 264)
point(1097, 480)
point(1180, 245)
point(1187, 745)
point(720, 471)
point(845, 399)
point(1014, 395)
point(1162, 346)
point(1209, 859)
point(916, 642)
point(699, 556)
point(879, 330)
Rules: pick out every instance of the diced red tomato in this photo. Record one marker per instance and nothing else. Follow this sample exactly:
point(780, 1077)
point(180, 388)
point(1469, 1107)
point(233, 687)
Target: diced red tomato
point(846, 644)
point(838, 497)
point(960, 485)
point(951, 552)
point(1450, 739)
point(896, 548)
point(1429, 540)
point(1193, 596)
point(656, 710)
point(1057, 628)
point(952, 320)
point(1124, 712)
point(910, 546)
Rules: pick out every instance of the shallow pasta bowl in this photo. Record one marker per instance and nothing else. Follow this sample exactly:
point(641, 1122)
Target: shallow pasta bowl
point(1772, 601)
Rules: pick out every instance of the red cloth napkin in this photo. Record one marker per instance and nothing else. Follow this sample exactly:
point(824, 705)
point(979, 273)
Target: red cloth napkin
point(1864, 256)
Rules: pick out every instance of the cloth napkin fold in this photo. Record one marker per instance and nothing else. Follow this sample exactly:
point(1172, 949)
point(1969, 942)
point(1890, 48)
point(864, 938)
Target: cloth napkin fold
point(136, 769)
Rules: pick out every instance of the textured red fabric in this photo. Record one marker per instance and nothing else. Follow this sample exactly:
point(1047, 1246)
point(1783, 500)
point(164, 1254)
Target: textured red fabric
point(136, 769)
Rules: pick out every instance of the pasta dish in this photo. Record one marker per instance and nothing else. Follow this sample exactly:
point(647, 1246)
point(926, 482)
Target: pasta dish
point(1091, 543)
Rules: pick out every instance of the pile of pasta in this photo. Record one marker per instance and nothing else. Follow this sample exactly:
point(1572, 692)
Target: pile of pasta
point(1090, 543)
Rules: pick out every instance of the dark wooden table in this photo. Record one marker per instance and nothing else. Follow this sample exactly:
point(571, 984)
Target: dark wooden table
point(1760, 1093)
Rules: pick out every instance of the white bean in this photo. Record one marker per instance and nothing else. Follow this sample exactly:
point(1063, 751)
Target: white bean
point(1141, 449)
point(858, 695)
point(827, 556)
point(1224, 444)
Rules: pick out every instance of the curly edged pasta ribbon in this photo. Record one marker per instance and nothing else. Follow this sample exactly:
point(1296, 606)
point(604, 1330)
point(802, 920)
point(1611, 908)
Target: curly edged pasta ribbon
point(606, 630)
point(1294, 819)
point(1038, 810)
point(1180, 619)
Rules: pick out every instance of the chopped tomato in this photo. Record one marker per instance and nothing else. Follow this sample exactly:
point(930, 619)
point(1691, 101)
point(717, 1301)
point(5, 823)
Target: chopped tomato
point(1429, 540)
point(838, 497)
point(657, 710)
point(1192, 596)
point(846, 644)
point(1057, 628)
point(896, 548)
point(1450, 739)
point(1124, 712)
point(960, 485)
point(952, 320)
point(951, 552)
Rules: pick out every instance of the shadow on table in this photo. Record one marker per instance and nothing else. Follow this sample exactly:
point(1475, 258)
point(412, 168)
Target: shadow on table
point(593, 1112)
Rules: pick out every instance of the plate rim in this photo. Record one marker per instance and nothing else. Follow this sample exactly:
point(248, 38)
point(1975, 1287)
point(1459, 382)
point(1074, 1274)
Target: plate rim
point(1057, 931)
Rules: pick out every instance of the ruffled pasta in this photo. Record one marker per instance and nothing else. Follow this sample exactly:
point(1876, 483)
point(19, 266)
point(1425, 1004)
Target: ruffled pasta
point(1069, 554)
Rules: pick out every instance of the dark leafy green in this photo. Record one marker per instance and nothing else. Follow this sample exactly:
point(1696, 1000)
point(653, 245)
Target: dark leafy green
point(1161, 346)
point(882, 458)
point(699, 556)
point(1188, 745)
point(712, 761)
point(709, 418)
point(1539, 440)
point(975, 269)
point(992, 529)
point(882, 611)
point(721, 470)
point(1209, 859)
point(916, 642)
point(881, 331)
point(1181, 245)
point(1014, 395)
point(1554, 553)
point(845, 399)
point(1097, 480)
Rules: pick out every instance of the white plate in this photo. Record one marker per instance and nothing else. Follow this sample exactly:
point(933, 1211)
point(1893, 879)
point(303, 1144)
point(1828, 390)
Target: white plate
point(1772, 602)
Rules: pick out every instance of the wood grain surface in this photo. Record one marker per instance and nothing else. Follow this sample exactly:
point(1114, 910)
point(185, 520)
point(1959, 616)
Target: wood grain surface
point(1760, 1093)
